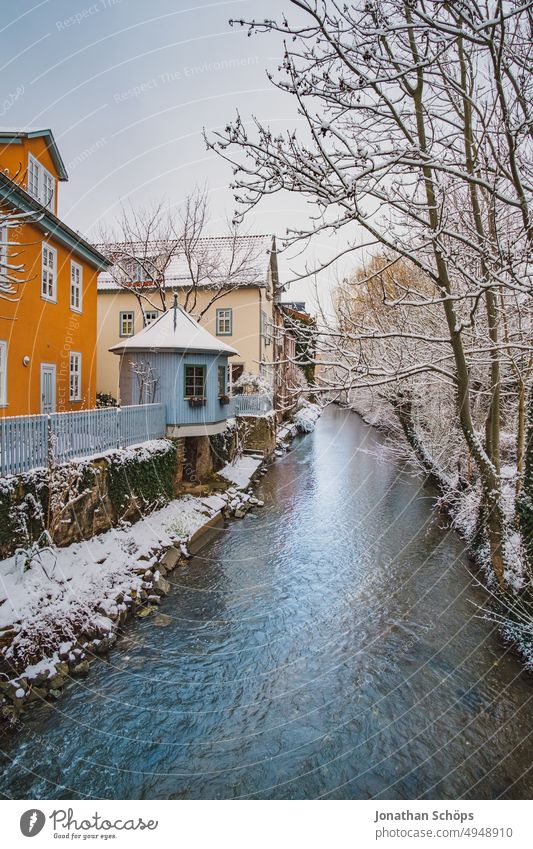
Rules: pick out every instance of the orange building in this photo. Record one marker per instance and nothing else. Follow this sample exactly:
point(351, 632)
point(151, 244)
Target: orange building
point(48, 320)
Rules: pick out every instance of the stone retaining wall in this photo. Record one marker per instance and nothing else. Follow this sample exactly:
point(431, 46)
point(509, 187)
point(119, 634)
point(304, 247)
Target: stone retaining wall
point(80, 499)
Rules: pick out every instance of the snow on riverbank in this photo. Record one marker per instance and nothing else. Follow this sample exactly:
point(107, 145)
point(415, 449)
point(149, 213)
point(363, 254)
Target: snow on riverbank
point(306, 417)
point(241, 471)
point(66, 589)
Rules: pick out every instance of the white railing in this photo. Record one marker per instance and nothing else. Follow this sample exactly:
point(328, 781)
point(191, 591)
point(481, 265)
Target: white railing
point(30, 442)
point(250, 405)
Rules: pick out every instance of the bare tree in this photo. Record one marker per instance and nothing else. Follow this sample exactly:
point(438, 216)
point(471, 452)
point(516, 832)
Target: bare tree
point(146, 241)
point(147, 381)
point(417, 141)
point(141, 247)
point(216, 265)
point(13, 271)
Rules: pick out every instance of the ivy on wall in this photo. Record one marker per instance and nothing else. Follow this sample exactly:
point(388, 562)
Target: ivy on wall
point(148, 480)
point(23, 510)
point(222, 446)
point(63, 500)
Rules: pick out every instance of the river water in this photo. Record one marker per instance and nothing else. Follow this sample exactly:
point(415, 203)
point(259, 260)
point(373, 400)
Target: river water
point(330, 645)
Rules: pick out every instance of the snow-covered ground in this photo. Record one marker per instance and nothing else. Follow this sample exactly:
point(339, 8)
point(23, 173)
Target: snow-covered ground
point(306, 417)
point(75, 588)
point(241, 470)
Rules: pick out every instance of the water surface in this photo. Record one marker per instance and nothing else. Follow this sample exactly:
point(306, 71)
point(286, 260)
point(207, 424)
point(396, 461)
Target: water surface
point(329, 645)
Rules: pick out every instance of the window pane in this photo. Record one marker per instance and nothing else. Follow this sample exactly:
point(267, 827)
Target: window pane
point(221, 380)
point(224, 317)
point(126, 324)
point(75, 377)
point(150, 316)
point(3, 253)
point(3, 372)
point(194, 381)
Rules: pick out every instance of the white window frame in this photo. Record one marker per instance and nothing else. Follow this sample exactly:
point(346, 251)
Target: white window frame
point(4, 253)
point(154, 316)
point(224, 321)
point(264, 327)
point(3, 373)
point(34, 170)
point(51, 277)
point(121, 321)
point(74, 376)
point(41, 183)
point(76, 286)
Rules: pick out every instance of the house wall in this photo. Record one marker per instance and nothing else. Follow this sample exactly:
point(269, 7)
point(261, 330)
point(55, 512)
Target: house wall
point(246, 303)
point(14, 158)
point(46, 332)
point(168, 369)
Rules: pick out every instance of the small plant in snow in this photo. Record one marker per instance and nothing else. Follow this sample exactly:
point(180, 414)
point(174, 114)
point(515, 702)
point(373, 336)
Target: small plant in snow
point(35, 554)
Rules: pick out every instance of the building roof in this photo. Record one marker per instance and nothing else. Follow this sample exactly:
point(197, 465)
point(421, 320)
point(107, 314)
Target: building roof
point(234, 261)
point(291, 310)
point(299, 306)
point(174, 330)
point(15, 196)
point(8, 135)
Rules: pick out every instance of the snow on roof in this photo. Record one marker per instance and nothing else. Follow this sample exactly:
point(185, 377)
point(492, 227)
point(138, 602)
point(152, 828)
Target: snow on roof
point(174, 330)
point(34, 132)
point(240, 260)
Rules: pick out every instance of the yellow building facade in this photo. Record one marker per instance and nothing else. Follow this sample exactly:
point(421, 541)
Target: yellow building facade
point(241, 315)
point(48, 321)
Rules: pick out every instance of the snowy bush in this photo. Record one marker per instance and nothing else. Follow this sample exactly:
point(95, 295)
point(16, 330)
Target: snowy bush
point(305, 418)
point(250, 382)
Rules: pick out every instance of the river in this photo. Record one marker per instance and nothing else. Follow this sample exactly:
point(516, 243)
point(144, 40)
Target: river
point(331, 644)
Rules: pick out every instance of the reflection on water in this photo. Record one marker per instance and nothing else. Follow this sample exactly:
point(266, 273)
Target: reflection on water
point(331, 645)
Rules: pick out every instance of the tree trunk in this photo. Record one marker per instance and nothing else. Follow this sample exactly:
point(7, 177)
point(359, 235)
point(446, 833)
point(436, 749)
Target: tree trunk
point(525, 499)
point(488, 473)
point(403, 407)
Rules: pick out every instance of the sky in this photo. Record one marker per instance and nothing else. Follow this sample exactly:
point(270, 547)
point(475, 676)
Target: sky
point(127, 86)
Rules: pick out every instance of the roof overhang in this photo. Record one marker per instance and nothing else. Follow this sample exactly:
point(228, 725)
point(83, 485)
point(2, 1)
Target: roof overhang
point(122, 348)
point(173, 284)
point(15, 196)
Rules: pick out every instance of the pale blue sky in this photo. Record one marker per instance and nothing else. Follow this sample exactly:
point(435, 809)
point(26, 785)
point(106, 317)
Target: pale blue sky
point(127, 86)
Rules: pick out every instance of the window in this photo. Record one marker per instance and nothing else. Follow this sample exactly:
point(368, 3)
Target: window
point(49, 273)
point(194, 381)
point(150, 316)
point(75, 376)
point(264, 328)
point(41, 184)
point(4, 238)
point(48, 190)
point(224, 322)
point(33, 177)
point(221, 380)
point(3, 374)
point(76, 285)
point(143, 270)
point(126, 323)
point(237, 370)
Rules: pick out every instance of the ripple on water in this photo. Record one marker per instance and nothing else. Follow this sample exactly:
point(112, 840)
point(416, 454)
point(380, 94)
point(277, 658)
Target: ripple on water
point(329, 646)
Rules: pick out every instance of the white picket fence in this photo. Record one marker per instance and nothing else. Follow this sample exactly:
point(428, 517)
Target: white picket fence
point(30, 442)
